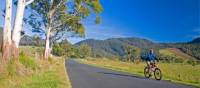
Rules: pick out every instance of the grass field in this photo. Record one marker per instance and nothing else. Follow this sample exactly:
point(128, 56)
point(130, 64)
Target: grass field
point(28, 72)
point(176, 53)
point(180, 73)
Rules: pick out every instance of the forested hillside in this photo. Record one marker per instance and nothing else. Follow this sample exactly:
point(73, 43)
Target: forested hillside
point(114, 47)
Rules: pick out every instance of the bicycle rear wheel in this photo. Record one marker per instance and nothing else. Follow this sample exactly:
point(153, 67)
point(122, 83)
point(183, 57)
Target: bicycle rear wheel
point(157, 74)
point(146, 72)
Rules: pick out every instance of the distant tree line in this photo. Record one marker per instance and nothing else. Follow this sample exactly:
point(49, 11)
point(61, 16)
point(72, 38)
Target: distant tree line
point(64, 48)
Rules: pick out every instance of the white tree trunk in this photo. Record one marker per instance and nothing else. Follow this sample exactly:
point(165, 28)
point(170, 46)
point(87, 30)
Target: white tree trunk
point(18, 22)
point(16, 36)
point(47, 43)
point(48, 34)
point(7, 30)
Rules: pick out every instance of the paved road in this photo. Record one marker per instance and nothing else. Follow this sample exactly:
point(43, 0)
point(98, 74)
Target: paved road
point(85, 76)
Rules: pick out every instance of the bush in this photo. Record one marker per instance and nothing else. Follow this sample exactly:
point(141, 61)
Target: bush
point(192, 62)
point(27, 61)
point(84, 51)
point(57, 50)
point(178, 60)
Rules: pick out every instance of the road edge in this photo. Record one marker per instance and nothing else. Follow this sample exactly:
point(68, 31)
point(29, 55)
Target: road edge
point(66, 74)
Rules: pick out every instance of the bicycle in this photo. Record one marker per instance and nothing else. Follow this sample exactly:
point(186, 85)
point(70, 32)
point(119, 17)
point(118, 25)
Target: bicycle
point(153, 69)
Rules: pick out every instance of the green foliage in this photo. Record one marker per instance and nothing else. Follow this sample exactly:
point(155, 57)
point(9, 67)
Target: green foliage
point(68, 16)
point(27, 61)
point(192, 62)
point(57, 50)
point(63, 48)
point(84, 51)
point(66, 49)
point(178, 60)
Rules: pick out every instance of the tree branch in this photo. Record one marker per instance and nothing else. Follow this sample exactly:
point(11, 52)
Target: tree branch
point(29, 2)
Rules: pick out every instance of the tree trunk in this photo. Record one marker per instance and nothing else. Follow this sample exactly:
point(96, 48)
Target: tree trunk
point(47, 44)
point(16, 35)
point(7, 30)
point(48, 34)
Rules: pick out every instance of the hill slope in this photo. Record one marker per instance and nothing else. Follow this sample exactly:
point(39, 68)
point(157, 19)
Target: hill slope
point(114, 47)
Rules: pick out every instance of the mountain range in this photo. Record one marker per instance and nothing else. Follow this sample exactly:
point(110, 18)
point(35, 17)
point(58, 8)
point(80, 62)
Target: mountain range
point(114, 47)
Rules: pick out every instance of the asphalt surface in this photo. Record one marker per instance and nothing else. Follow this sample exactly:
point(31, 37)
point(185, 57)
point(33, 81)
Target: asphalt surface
point(85, 76)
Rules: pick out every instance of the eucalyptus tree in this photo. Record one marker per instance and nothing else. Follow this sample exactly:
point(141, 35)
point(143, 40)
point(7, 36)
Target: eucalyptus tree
point(7, 30)
point(16, 34)
point(60, 16)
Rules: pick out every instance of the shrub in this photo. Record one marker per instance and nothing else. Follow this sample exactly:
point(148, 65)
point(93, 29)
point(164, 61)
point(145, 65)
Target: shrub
point(178, 60)
point(192, 62)
point(57, 50)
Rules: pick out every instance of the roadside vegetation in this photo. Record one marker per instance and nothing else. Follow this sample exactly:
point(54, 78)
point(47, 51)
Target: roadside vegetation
point(175, 72)
point(29, 72)
point(66, 49)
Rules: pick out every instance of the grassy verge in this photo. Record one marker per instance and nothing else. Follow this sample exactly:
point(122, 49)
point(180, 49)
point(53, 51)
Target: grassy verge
point(180, 73)
point(34, 73)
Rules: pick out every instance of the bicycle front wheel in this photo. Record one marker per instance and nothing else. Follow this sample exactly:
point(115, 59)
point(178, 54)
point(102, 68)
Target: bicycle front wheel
point(157, 74)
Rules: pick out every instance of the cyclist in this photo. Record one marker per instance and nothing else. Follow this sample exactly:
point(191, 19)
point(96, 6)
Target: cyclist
point(150, 58)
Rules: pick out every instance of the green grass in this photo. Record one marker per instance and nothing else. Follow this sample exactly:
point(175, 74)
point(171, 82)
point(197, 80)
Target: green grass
point(180, 73)
point(47, 79)
point(27, 61)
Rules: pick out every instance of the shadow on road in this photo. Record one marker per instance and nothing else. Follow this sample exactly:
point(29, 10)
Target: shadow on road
point(124, 75)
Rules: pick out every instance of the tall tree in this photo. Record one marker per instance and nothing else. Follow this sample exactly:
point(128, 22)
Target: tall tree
point(85, 51)
point(7, 30)
point(58, 16)
point(16, 35)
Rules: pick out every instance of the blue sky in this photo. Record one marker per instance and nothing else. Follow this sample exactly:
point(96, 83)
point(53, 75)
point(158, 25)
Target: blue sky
point(157, 20)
